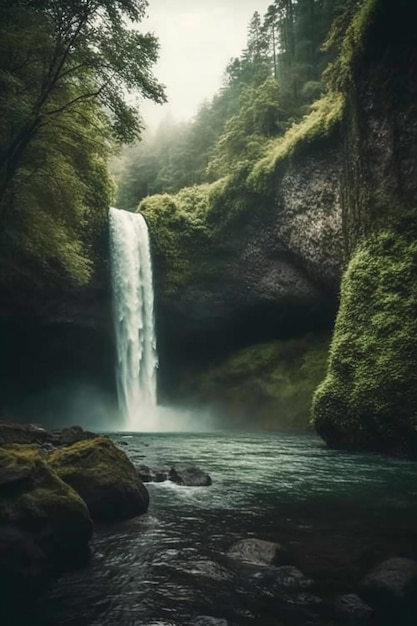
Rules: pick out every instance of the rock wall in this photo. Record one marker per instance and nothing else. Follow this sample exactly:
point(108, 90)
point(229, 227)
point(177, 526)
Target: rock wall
point(277, 270)
point(368, 397)
point(57, 357)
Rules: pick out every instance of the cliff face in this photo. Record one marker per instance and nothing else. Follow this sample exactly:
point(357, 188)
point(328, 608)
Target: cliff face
point(57, 357)
point(274, 272)
point(368, 398)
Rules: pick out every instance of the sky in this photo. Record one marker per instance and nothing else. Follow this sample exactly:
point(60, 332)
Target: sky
point(197, 39)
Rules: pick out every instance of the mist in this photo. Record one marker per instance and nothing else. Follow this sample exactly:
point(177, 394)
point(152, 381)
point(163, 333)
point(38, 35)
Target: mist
point(197, 40)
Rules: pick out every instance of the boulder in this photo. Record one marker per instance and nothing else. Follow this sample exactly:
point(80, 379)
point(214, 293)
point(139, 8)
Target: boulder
point(11, 434)
point(392, 586)
point(259, 552)
point(352, 611)
point(35, 500)
point(189, 476)
point(23, 572)
point(73, 434)
point(281, 580)
point(103, 476)
point(149, 475)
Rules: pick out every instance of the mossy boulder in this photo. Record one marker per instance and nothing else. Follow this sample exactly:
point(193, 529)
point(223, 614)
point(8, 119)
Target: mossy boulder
point(369, 396)
point(104, 477)
point(34, 500)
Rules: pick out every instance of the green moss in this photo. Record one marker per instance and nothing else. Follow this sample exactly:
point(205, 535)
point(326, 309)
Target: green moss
point(35, 500)
point(325, 116)
point(339, 73)
point(104, 477)
point(369, 396)
point(269, 386)
point(42, 494)
point(97, 457)
point(179, 233)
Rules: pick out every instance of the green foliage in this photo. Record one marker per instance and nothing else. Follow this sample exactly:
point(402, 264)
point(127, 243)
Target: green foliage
point(62, 193)
point(369, 396)
point(348, 35)
point(179, 233)
point(65, 69)
point(267, 88)
point(325, 115)
point(269, 386)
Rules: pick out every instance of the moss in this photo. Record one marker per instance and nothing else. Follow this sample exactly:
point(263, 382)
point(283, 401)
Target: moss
point(326, 114)
point(369, 396)
point(269, 385)
point(38, 501)
point(339, 73)
point(104, 477)
point(179, 233)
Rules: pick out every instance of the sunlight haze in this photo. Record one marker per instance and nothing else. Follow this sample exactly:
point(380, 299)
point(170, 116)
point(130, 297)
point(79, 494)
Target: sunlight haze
point(197, 39)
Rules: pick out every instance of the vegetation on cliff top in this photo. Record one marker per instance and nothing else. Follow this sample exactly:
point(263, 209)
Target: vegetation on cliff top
point(369, 396)
point(275, 118)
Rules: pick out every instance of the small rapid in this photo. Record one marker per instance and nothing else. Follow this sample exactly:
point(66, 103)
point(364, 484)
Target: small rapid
point(133, 318)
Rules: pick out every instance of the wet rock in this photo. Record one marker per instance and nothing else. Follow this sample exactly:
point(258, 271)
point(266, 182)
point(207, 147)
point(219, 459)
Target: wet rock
point(303, 608)
point(148, 475)
point(205, 620)
point(10, 475)
point(392, 586)
point(259, 552)
point(104, 477)
point(11, 434)
point(47, 509)
point(189, 476)
point(23, 572)
point(284, 579)
point(207, 569)
point(352, 611)
point(73, 434)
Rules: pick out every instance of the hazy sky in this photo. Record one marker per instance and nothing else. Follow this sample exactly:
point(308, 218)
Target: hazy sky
point(197, 38)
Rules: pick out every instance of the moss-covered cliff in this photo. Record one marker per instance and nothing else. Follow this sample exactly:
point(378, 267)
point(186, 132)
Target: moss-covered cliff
point(258, 255)
point(368, 398)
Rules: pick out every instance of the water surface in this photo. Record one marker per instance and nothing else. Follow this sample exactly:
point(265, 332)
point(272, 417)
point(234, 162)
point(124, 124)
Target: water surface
point(339, 513)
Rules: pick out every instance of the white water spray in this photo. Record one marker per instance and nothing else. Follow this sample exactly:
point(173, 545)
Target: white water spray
point(133, 318)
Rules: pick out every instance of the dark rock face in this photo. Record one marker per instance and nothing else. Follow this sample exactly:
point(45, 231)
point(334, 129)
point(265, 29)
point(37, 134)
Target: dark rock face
point(368, 399)
point(277, 271)
point(57, 355)
point(380, 148)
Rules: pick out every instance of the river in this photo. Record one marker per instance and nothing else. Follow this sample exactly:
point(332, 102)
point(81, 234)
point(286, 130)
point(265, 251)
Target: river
point(338, 513)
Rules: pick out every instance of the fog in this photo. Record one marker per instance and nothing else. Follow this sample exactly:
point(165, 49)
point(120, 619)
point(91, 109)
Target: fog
point(197, 39)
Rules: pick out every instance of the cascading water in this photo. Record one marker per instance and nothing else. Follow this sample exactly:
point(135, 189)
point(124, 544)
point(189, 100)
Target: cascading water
point(133, 318)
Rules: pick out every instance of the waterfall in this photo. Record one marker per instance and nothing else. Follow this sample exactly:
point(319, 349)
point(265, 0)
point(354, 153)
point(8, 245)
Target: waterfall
point(133, 318)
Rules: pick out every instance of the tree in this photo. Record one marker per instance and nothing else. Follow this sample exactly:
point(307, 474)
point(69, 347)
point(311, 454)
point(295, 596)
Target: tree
point(58, 55)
